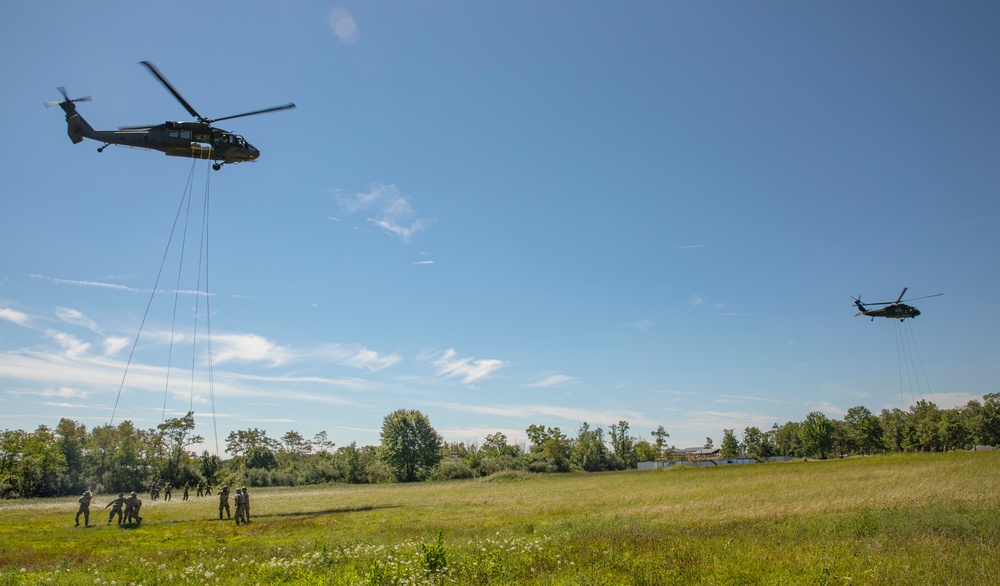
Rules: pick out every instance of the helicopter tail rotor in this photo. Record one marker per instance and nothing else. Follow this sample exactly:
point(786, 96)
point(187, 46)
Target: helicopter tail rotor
point(66, 99)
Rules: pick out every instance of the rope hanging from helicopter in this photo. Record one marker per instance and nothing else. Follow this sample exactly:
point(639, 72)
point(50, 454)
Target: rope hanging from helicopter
point(185, 206)
point(906, 351)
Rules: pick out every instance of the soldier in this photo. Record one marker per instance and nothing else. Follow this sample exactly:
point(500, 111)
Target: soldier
point(167, 491)
point(187, 487)
point(224, 502)
point(240, 506)
point(200, 491)
point(208, 489)
point(246, 505)
point(84, 509)
point(116, 508)
point(132, 506)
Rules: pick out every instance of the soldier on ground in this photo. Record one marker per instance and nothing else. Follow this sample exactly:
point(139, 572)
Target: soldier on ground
point(132, 506)
point(200, 490)
point(167, 491)
point(224, 502)
point(240, 506)
point(116, 508)
point(246, 505)
point(208, 489)
point(187, 487)
point(84, 509)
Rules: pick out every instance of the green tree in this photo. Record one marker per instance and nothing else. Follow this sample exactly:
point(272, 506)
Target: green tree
point(176, 435)
point(623, 444)
point(730, 447)
point(817, 434)
point(589, 452)
point(410, 446)
point(260, 457)
point(645, 452)
point(758, 444)
point(787, 440)
point(660, 436)
point(866, 430)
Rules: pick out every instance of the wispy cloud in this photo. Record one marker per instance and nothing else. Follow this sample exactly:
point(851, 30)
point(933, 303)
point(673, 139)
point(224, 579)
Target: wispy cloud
point(385, 207)
point(12, 315)
point(85, 283)
point(247, 348)
point(551, 380)
point(469, 370)
point(690, 246)
point(75, 318)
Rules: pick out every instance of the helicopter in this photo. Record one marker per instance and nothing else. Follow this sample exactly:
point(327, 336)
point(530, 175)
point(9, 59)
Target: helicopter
point(197, 140)
point(892, 309)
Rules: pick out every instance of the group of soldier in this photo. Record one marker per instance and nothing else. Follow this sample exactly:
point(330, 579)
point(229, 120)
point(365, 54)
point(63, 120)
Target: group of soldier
point(127, 507)
point(242, 501)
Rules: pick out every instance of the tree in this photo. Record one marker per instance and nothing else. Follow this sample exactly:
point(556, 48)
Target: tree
point(730, 447)
point(758, 444)
point(589, 451)
point(660, 442)
point(410, 446)
point(866, 430)
point(260, 457)
point(552, 445)
point(817, 434)
point(176, 435)
point(238, 443)
point(623, 444)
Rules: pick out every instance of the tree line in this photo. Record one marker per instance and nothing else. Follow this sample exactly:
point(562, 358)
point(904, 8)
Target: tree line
point(69, 458)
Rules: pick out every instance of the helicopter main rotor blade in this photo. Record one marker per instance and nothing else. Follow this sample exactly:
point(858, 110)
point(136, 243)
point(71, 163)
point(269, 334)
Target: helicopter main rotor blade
point(287, 106)
point(900, 298)
point(924, 297)
point(166, 84)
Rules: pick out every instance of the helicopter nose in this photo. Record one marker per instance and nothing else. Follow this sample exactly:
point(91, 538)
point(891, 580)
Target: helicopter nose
point(254, 153)
point(916, 312)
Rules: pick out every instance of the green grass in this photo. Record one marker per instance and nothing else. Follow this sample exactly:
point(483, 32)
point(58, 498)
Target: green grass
point(911, 519)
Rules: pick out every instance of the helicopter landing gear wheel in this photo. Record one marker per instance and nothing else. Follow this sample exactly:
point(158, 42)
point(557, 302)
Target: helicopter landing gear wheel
point(217, 166)
point(100, 149)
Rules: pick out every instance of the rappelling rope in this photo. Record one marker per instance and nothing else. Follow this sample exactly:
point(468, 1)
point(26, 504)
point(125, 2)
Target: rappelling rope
point(152, 294)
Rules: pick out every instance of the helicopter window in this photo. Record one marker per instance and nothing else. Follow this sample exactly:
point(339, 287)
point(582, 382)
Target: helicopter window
point(173, 134)
point(186, 134)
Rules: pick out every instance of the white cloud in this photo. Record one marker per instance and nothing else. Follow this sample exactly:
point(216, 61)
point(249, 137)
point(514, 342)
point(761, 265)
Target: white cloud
point(551, 380)
point(71, 345)
point(14, 316)
point(247, 348)
point(114, 344)
point(357, 357)
point(385, 208)
point(469, 370)
point(75, 318)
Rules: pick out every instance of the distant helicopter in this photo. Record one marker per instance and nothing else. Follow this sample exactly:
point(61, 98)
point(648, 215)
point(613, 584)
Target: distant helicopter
point(892, 309)
point(197, 140)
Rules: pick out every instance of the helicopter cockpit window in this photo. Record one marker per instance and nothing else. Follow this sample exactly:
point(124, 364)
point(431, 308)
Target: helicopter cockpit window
point(185, 134)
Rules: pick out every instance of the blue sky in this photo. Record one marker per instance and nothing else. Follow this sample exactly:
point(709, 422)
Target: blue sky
point(503, 214)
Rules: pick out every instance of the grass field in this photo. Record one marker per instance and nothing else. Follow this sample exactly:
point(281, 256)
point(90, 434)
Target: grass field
point(909, 519)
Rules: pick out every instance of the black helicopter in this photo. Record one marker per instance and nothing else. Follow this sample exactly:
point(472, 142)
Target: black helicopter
point(197, 140)
point(891, 309)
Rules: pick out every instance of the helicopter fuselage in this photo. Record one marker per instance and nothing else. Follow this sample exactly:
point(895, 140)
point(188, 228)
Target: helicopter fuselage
point(898, 311)
point(197, 140)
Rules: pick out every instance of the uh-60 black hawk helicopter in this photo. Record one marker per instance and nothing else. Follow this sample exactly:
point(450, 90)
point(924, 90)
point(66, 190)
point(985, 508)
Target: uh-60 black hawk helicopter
point(198, 140)
point(891, 309)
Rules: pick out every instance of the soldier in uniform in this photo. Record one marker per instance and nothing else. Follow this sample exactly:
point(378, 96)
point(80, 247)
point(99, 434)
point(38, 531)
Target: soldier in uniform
point(208, 489)
point(116, 508)
point(240, 506)
point(132, 506)
point(246, 505)
point(84, 509)
point(167, 491)
point(224, 502)
point(200, 491)
point(187, 487)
